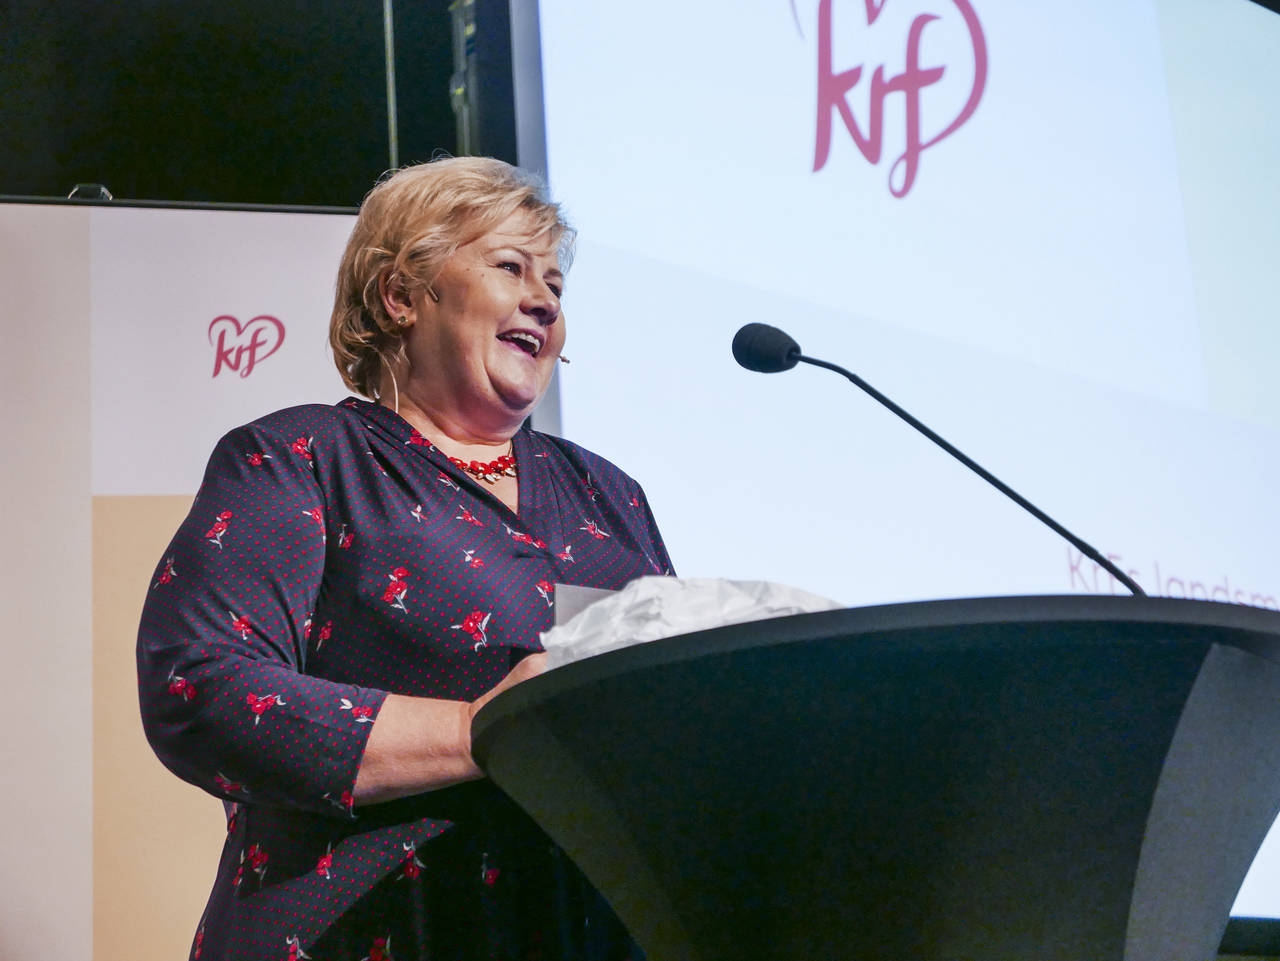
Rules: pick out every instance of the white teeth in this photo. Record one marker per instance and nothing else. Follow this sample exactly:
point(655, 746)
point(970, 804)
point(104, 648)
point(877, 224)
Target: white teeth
point(526, 338)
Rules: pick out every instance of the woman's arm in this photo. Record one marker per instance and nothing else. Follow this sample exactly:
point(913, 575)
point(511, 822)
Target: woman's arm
point(419, 744)
point(222, 646)
point(226, 702)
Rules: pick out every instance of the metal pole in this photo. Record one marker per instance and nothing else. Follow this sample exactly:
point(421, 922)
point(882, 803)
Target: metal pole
point(389, 42)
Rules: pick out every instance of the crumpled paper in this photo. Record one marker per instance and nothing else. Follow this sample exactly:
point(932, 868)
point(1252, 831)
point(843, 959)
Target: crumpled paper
point(652, 607)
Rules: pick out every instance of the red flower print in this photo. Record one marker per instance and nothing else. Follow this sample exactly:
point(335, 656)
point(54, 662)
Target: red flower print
point(258, 457)
point(417, 440)
point(295, 949)
point(635, 502)
point(240, 623)
point(345, 539)
point(380, 950)
point(325, 862)
point(520, 537)
point(363, 713)
point(412, 867)
point(256, 859)
point(416, 513)
point(166, 575)
point(488, 874)
point(448, 481)
point(475, 563)
point(260, 705)
point(394, 592)
point(325, 633)
point(546, 589)
point(474, 624)
point(317, 515)
point(566, 555)
point(214, 534)
point(343, 802)
point(181, 687)
point(592, 529)
point(469, 517)
point(228, 785)
point(302, 447)
point(199, 946)
point(306, 628)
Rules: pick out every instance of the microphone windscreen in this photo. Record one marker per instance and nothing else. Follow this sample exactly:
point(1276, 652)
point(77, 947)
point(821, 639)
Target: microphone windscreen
point(765, 349)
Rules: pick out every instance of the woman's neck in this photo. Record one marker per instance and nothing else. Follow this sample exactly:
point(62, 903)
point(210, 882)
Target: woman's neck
point(453, 434)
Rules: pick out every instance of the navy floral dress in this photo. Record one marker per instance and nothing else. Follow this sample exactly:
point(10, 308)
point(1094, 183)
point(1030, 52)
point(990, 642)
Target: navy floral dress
point(331, 556)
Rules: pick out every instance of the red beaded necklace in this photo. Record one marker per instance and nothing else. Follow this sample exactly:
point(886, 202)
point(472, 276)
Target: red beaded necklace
point(504, 466)
point(490, 473)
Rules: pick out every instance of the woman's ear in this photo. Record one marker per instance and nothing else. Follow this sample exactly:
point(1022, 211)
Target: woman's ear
point(395, 298)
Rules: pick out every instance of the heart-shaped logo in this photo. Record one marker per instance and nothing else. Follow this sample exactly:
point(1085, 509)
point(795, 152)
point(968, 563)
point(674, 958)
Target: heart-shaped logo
point(242, 347)
point(834, 88)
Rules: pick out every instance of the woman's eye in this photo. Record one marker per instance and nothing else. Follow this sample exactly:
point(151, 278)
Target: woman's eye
point(556, 290)
point(510, 265)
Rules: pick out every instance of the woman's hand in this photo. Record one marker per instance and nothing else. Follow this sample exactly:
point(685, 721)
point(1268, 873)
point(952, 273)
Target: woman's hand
point(531, 666)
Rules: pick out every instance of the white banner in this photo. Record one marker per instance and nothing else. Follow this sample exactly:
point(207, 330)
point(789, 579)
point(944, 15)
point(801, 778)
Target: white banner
point(203, 320)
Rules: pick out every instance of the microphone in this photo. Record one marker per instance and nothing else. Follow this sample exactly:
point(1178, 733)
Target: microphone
point(769, 350)
point(765, 349)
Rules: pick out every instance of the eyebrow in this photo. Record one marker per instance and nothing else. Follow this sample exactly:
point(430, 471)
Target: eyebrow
point(528, 258)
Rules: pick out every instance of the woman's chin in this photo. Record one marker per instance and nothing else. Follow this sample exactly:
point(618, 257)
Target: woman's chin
point(518, 398)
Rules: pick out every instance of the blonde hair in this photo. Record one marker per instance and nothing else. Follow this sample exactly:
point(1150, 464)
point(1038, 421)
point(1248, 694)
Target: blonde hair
point(410, 223)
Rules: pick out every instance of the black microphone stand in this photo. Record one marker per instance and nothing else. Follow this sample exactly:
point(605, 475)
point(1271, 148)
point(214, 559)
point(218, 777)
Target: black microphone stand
point(1088, 551)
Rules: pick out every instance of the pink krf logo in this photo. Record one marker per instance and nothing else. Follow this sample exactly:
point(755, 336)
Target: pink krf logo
point(241, 348)
point(835, 87)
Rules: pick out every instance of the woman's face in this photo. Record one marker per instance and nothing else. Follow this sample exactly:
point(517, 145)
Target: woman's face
point(484, 352)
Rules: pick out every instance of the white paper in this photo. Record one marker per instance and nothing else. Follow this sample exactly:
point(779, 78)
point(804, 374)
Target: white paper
point(653, 607)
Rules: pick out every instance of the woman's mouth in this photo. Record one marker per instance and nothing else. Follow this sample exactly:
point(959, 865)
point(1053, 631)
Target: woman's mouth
point(523, 340)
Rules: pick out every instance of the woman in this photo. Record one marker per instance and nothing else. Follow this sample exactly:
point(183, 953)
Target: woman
point(354, 582)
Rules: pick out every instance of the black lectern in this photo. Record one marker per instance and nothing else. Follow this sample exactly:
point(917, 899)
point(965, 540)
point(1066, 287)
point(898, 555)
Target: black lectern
point(1002, 779)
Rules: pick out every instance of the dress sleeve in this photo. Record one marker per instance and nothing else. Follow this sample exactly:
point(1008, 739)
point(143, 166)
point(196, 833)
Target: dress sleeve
point(226, 701)
point(657, 549)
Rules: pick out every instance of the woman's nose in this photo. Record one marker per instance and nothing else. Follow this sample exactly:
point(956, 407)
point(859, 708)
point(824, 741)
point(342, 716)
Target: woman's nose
point(542, 304)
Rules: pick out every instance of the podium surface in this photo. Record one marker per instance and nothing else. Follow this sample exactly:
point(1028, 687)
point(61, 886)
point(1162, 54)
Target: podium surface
point(995, 778)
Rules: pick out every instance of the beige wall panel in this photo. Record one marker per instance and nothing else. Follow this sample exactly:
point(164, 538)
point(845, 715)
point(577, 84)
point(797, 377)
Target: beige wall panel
point(45, 743)
point(156, 838)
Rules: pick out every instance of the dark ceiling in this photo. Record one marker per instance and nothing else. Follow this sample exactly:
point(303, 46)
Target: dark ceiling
point(228, 101)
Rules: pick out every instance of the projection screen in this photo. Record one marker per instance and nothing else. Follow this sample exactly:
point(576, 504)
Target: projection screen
point(1048, 230)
